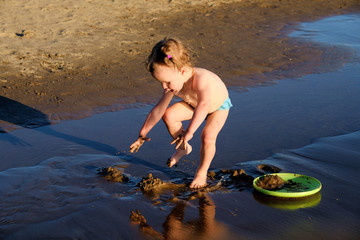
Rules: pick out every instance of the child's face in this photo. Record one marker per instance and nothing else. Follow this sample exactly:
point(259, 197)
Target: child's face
point(171, 78)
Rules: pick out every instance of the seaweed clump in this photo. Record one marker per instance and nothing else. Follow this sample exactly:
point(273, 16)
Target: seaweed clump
point(149, 183)
point(137, 218)
point(240, 175)
point(113, 174)
point(272, 182)
point(230, 175)
point(268, 168)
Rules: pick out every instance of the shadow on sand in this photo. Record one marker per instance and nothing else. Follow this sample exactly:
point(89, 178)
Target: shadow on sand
point(14, 114)
point(20, 115)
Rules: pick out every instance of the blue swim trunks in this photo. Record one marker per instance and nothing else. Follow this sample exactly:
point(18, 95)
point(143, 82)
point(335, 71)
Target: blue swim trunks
point(226, 105)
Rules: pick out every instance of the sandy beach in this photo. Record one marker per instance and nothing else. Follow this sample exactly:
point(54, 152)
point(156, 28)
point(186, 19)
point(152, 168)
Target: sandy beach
point(74, 93)
point(91, 53)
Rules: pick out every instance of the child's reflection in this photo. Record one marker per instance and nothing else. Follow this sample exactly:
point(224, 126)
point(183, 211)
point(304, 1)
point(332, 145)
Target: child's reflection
point(205, 227)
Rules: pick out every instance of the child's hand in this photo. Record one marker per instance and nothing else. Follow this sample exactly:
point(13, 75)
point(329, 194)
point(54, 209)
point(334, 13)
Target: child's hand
point(182, 140)
point(137, 144)
point(179, 140)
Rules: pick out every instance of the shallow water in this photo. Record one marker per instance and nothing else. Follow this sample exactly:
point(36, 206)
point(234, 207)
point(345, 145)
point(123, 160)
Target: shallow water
point(50, 186)
point(338, 30)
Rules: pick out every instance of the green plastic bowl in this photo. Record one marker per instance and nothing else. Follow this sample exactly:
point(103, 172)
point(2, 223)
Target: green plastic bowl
point(301, 186)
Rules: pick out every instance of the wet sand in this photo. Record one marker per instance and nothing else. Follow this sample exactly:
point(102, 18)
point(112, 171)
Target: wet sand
point(51, 186)
point(91, 53)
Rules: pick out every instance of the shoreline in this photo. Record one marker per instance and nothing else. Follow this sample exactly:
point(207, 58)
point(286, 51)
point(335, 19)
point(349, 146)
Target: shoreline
point(52, 188)
point(96, 62)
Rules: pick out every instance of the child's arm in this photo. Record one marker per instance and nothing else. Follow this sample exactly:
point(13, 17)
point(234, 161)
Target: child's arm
point(202, 109)
point(156, 113)
point(153, 117)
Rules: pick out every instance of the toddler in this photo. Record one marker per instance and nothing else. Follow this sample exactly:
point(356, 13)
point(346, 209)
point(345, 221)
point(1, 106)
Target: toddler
point(204, 97)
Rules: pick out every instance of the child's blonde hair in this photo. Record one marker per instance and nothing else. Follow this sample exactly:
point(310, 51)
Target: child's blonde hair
point(169, 52)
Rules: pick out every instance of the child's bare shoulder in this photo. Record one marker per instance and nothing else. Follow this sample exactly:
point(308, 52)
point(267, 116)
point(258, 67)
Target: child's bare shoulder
point(202, 73)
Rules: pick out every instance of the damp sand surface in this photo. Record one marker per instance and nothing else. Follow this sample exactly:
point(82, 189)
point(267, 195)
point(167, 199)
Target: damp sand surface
point(92, 52)
point(52, 186)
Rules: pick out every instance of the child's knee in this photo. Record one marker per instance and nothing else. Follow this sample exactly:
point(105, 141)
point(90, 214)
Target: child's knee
point(167, 117)
point(208, 139)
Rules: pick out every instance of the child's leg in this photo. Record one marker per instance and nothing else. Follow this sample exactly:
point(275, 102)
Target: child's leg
point(214, 124)
point(173, 118)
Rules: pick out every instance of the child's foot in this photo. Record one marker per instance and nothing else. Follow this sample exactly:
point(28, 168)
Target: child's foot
point(171, 163)
point(175, 158)
point(199, 181)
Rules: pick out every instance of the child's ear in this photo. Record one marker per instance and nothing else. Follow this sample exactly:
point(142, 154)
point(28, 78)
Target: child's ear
point(182, 71)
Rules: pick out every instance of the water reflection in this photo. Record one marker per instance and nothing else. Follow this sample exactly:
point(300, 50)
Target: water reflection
point(204, 227)
point(287, 203)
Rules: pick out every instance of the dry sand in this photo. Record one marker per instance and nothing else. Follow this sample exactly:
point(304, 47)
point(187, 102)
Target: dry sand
point(57, 53)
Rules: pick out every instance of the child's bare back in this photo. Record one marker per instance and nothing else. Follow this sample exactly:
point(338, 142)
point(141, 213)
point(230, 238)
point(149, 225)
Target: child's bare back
point(217, 89)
